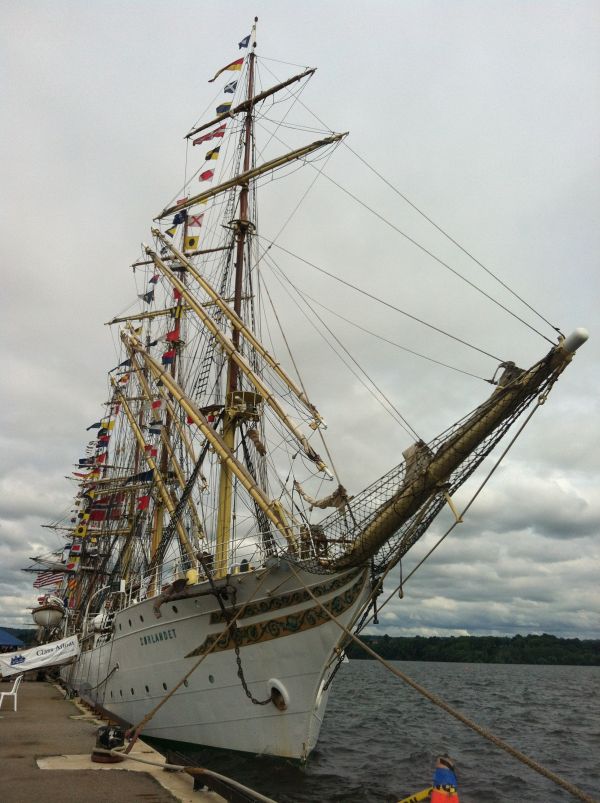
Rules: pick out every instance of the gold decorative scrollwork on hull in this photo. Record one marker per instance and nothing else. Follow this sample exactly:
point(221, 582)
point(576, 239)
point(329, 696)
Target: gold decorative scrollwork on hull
point(283, 625)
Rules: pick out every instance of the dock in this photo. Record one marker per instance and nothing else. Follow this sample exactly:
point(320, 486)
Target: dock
point(45, 755)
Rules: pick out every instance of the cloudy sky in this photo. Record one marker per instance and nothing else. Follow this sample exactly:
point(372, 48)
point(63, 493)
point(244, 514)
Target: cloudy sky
point(485, 115)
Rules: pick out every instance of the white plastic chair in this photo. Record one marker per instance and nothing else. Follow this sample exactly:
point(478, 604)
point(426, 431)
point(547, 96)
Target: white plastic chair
point(13, 692)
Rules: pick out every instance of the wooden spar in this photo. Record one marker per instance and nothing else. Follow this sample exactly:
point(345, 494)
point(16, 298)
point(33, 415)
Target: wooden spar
point(250, 102)
point(164, 494)
point(238, 358)
point(182, 434)
point(245, 177)
point(201, 251)
point(482, 423)
point(216, 441)
point(239, 326)
point(144, 315)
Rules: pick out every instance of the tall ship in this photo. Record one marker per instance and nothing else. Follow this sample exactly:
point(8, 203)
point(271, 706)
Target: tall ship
point(215, 559)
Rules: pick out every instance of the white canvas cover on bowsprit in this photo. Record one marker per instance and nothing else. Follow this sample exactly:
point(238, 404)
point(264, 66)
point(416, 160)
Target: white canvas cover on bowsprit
point(52, 654)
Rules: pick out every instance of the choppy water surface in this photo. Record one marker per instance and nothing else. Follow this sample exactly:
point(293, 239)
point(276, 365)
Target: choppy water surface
point(380, 738)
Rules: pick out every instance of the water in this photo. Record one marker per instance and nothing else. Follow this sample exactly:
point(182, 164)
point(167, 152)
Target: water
point(380, 738)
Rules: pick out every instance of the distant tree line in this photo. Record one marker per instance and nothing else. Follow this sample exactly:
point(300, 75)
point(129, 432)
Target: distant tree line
point(544, 649)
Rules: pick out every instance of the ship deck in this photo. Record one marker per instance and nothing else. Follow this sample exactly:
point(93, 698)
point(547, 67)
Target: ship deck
point(41, 757)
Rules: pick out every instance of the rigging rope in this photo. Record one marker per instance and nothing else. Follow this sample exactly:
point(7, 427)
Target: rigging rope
point(380, 300)
point(386, 340)
point(390, 409)
point(439, 228)
point(408, 428)
point(452, 240)
point(403, 580)
point(433, 698)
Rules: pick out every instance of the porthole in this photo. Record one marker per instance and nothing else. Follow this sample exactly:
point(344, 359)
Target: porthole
point(174, 608)
point(147, 689)
point(165, 686)
point(211, 679)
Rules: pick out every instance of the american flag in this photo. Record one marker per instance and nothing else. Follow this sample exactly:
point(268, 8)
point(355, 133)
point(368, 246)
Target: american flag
point(47, 579)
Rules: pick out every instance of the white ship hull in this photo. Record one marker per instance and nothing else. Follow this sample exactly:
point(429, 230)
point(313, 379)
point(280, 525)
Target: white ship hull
point(286, 642)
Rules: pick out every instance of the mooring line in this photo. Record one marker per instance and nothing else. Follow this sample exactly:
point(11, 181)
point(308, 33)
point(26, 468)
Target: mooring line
point(531, 763)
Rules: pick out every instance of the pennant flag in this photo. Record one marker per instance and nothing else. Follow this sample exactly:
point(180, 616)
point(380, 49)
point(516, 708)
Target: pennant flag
point(230, 88)
point(47, 579)
point(143, 503)
point(176, 294)
point(72, 565)
point(173, 337)
point(97, 425)
point(104, 439)
point(124, 379)
point(86, 461)
point(155, 427)
point(234, 65)
point(81, 531)
point(151, 451)
point(171, 231)
point(120, 365)
point(101, 457)
point(195, 220)
point(107, 423)
point(217, 132)
point(75, 548)
point(189, 419)
point(206, 176)
point(98, 515)
point(180, 217)
point(147, 297)
point(214, 154)
point(153, 280)
point(191, 242)
point(224, 107)
point(244, 43)
point(168, 357)
point(144, 476)
point(158, 404)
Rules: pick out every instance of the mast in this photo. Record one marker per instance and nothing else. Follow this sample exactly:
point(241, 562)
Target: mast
point(242, 225)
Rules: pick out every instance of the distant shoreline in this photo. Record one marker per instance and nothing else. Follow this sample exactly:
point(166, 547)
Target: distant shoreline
point(542, 650)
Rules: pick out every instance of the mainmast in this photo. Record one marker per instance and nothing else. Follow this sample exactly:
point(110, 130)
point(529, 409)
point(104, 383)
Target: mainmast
point(230, 415)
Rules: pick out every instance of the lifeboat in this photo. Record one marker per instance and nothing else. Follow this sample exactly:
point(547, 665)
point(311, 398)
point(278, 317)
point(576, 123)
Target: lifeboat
point(49, 613)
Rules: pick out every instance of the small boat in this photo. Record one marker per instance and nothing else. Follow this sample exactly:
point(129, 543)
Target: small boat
point(49, 613)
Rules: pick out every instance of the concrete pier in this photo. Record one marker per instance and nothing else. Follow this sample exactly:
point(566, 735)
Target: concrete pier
point(45, 749)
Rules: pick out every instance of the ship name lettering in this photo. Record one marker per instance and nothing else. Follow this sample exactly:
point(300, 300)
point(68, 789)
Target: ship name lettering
point(154, 638)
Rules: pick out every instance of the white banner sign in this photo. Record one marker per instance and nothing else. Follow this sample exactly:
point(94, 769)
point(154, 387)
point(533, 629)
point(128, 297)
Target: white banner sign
point(52, 654)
